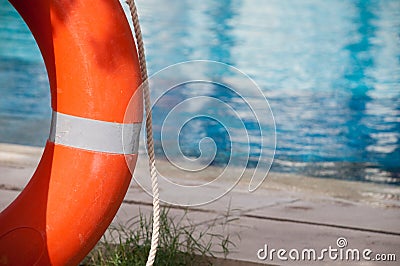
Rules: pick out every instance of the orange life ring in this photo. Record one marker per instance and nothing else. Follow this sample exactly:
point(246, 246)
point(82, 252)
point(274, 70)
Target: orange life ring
point(83, 175)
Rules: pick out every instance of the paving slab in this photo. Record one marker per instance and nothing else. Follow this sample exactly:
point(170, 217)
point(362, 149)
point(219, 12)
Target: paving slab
point(286, 212)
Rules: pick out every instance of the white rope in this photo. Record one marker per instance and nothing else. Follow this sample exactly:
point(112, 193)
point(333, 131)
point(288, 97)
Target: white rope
point(149, 133)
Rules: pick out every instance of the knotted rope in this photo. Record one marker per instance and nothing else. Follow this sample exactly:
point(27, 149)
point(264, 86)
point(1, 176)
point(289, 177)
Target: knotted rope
point(149, 132)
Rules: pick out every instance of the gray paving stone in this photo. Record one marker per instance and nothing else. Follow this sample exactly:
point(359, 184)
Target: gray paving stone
point(286, 212)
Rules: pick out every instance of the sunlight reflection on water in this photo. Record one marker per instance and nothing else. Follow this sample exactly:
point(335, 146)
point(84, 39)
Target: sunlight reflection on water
point(330, 70)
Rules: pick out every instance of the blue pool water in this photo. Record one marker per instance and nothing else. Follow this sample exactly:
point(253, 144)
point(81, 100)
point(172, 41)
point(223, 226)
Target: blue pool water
point(330, 70)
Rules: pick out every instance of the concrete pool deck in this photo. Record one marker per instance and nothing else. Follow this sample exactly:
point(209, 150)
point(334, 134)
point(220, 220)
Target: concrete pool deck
point(286, 212)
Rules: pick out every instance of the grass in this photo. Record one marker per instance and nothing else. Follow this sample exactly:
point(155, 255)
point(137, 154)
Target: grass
point(181, 242)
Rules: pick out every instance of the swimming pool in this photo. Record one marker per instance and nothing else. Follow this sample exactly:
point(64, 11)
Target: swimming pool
point(329, 69)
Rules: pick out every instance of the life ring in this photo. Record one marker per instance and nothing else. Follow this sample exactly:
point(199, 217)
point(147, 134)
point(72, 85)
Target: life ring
point(83, 175)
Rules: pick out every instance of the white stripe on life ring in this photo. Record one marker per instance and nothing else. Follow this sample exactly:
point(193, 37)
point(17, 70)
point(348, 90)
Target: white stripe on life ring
point(94, 135)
